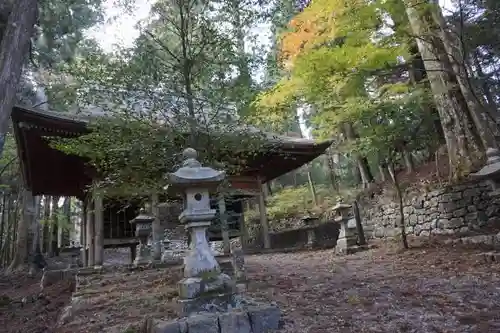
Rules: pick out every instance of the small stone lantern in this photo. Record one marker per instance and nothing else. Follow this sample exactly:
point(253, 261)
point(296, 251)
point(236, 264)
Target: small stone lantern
point(143, 228)
point(310, 226)
point(491, 171)
point(347, 241)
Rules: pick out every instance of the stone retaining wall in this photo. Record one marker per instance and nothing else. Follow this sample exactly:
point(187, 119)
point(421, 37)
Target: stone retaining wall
point(326, 235)
point(455, 209)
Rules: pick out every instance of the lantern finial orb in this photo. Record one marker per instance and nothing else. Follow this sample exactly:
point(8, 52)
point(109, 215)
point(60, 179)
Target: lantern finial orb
point(189, 153)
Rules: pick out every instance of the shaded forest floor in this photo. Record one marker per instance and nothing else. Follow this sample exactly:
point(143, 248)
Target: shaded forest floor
point(426, 289)
point(24, 308)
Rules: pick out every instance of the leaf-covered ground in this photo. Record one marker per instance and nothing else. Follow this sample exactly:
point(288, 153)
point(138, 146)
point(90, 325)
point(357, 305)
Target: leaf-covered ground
point(446, 289)
point(24, 308)
point(423, 290)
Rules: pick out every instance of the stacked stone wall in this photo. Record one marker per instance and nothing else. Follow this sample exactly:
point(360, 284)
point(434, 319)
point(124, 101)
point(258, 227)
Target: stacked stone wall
point(454, 209)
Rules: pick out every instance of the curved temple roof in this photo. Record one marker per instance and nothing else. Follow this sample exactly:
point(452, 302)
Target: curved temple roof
point(52, 172)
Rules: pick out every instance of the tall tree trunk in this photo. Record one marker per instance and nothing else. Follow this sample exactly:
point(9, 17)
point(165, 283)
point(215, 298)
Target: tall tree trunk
point(54, 226)
point(409, 163)
point(399, 193)
point(465, 150)
point(457, 56)
point(64, 231)
point(23, 231)
point(13, 50)
point(362, 162)
point(312, 188)
point(37, 259)
point(417, 73)
point(2, 221)
point(46, 224)
point(486, 89)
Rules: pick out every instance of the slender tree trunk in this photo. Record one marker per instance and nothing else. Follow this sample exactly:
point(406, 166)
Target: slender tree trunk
point(312, 188)
point(465, 150)
point(23, 231)
point(486, 89)
point(54, 248)
point(2, 221)
point(46, 224)
point(64, 232)
point(20, 245)
point(13, 50)
point(399, 193)
point(409, 163)
point(362, 162)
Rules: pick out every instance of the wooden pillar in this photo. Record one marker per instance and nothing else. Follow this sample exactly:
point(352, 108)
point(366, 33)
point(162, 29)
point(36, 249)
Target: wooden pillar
point(243, 230)
point(223, 224)
point(83, 234)
point(157, 229)
point(99, 230)
point(90, 233)
point(263, 217)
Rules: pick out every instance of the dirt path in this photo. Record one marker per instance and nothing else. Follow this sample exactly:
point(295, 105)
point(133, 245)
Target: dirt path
point(423, 290)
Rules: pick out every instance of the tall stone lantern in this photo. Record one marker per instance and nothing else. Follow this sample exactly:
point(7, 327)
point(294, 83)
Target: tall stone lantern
point(143, 228)
point(203, 282)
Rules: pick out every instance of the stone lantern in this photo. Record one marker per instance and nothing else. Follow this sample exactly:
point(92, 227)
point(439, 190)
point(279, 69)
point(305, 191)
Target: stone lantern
point(310, 226)
point(209, 300)
point(491, 171)
point(143, 228)
point(202, 274)
point(347, 241)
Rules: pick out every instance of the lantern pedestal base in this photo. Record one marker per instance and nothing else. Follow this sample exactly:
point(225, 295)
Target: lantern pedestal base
point(202, 294)
point(143, 256)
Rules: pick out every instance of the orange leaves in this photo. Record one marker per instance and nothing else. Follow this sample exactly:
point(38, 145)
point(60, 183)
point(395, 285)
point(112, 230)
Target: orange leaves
point(316, 25)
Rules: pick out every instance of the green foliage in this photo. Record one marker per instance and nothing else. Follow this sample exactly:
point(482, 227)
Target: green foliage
point(296, 202)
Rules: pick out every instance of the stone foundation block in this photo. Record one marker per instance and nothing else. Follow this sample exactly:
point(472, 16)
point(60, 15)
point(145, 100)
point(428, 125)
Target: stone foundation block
point(264, 318)
point(51, 277)
point(235, 322)
point(260, 318)
point(193, 287)
point(203, 323)
point(208, 303)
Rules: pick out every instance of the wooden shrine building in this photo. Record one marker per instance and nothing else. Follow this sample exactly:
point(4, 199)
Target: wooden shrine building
point(48, 171)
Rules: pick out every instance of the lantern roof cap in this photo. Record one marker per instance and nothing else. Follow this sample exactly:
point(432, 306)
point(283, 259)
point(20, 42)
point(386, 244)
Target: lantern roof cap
point(143, 217)
point(340, 205)
point(193, 174)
